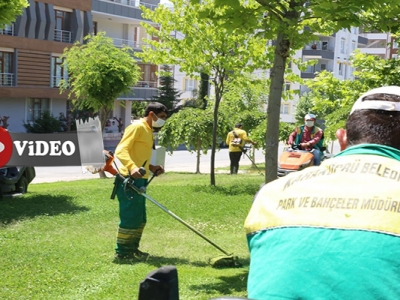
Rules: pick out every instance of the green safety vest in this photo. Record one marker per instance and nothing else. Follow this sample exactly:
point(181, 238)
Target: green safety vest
point(315, 129)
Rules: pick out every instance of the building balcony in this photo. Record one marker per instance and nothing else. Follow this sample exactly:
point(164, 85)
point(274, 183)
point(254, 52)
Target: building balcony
point(130, 43)
point(375, 36)
point(315, 53)
point(143, 90)
point(146, 84)
point(62, 36)
point(362, 40)
point(374, 51)
point(311, 72)
point(125, 9)
point(6, 79)
point(133, 3)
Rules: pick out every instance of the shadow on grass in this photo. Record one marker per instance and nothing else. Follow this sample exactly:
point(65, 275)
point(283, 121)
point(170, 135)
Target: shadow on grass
point(27, 207)
point(249, 189)
point(159, 261)
point(227, 285)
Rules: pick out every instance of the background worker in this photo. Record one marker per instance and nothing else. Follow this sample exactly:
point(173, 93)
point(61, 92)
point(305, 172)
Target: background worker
point(332, 231)
point(134, 151)
point(236, 139)
point(308, 137)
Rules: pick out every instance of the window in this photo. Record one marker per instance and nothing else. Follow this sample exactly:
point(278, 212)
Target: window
point(323, 67)
point(286, 87)
point(8, 29)
point(353, 45)
point(95, 28)
point(6, 68)
point(36, 106)
point(58, 72)
point(62, 31)
point(190, 84)
point(340, 69)
point(395, 45)
point(285, 109)
point(342, 45)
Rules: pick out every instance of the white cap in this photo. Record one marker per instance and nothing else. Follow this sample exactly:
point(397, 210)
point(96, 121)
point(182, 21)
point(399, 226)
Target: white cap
point(378, 104)
point(309, 117)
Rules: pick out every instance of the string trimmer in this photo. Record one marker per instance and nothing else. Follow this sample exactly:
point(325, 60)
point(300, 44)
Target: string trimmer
point(227, 260)
point(244, 151)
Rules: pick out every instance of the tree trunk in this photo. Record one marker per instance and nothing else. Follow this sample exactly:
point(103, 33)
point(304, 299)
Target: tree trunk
point(282, 51)
point(198, 150)
point(218, 93)
point(103, 116)
point(274, 104)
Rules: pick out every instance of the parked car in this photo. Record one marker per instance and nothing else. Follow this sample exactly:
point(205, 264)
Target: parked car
point(15, 180)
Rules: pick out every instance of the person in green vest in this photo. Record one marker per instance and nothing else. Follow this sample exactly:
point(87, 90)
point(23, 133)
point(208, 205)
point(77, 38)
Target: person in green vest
point(333, 231)
point(308, 137)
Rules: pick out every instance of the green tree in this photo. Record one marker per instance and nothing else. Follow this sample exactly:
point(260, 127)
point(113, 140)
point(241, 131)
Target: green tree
point(203, 89)
point(138, 108)
point(291, 24)
point(47, 123)
point(192, 127)
point(99, 72)
point(203, 46)
point(333, 98)
point(304, 106)
point(167, 94)
point(9, 10)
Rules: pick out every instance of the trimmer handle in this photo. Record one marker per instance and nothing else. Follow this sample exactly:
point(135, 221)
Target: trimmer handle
point(142, 171)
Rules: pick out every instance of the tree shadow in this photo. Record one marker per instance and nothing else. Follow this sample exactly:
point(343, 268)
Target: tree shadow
point(14, 209)
point(228, 285)
point(249, 189)
point(159, 261)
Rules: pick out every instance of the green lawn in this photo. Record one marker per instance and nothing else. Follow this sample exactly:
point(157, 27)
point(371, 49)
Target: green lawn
point(57, 242)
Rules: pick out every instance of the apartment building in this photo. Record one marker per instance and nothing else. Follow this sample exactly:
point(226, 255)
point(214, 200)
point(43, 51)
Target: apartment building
point(30, 50)
point(121, 19)
point(332, 54)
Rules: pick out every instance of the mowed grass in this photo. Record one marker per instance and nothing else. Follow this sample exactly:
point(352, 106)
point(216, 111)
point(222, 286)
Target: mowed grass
point(57, 241)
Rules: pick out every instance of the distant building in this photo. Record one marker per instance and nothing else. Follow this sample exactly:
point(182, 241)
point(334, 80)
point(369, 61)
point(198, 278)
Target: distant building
point(29, 53)
point(30, 50)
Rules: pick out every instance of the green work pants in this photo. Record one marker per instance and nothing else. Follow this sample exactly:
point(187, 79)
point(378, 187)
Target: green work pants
point(132, 214)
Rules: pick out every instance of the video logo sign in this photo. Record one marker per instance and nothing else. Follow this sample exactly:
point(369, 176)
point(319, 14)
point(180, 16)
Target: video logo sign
point(81, 148)
point(6, 147)
point(38, 150)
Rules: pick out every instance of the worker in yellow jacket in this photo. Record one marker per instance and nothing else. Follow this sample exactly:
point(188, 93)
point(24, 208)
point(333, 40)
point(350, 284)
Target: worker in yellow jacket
point(236, 140)
point(134, 151)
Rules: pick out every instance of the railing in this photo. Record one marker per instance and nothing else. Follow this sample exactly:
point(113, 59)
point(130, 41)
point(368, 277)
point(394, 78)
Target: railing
point(62, 36)
point(146, 84)
point(123, 42)
point(129, 43)
point(317, 69)
point(133, 3)
point(318, 46)
point(6, 79)
point(8, 30)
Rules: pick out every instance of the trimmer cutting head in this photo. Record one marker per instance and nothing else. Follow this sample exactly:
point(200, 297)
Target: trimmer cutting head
point(225, 261)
